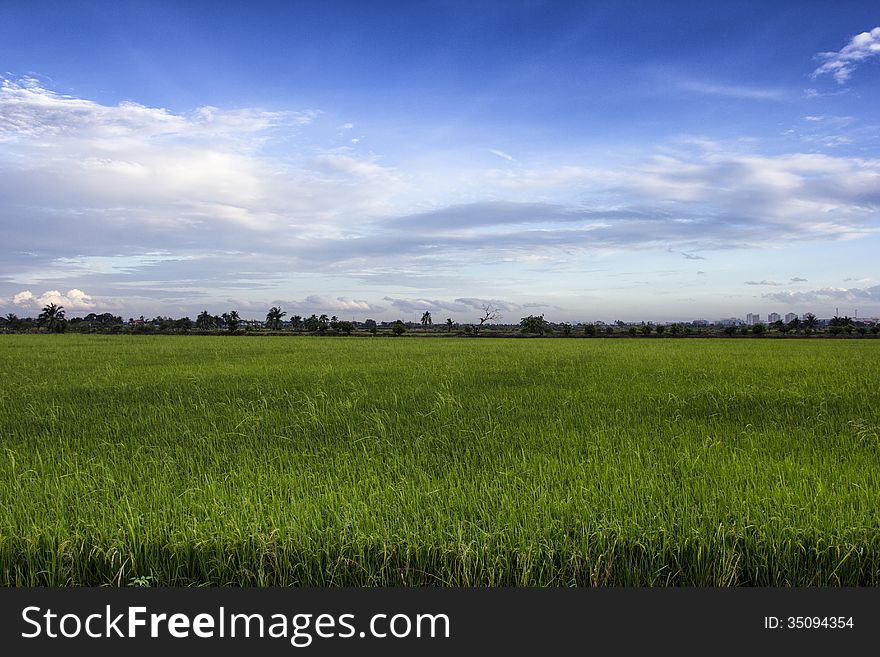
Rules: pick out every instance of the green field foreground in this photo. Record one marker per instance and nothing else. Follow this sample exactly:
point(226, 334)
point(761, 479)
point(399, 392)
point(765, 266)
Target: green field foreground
point(453, 462)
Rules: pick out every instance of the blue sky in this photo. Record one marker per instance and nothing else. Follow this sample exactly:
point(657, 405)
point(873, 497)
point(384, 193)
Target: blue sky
point(582, 160)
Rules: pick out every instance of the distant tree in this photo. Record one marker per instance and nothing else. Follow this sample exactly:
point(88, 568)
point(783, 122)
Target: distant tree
point(632, 331)
point(875, 329)
point(660, 328)
point(795, 325)
point(296, 322)
point(52, 318)
point(334, 322)
point(398, 328)
point(371, 326)
point(490, 314)
point(758, 329)
point(810, 322)
point(534, 324)
point(232, 320)
point(426, 319)
point(205, 321)
point(11, 320)
point(647, 328)
point(609, 330)
point(730, 329)
point(312, 323)
point(566, 328)
point(861, 330)
point(590, 330)
point(323, 322)
point(274, 318)
point(675, 329)
point(449, 325)
point(345, 327)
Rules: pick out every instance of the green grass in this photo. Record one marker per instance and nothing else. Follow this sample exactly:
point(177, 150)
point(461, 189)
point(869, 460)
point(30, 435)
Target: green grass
point(332, 461)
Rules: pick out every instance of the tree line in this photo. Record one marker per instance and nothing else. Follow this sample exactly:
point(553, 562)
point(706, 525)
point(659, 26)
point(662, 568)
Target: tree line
point(53, 319)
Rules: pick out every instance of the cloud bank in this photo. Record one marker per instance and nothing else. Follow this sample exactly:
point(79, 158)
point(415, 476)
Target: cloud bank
point(72, 300)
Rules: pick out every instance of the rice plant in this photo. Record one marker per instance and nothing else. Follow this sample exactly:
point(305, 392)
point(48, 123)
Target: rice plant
point(160, 461)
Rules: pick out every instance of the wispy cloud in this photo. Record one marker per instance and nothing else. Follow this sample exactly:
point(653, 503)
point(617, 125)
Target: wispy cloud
point(796, 279)
point(842, 63)
point(502, 155)
point(688, 256)
point(730, 90)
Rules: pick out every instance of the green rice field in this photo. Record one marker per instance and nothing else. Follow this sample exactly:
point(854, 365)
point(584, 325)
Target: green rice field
point(312, 461)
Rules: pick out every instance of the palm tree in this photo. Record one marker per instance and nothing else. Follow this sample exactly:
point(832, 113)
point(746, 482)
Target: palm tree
point(11, 320)
point(426, 319)
point(273, 318)
point(323, 322)
point(810, 322)
point(52, 318)
point(232, 320)
point(205, 320)
point(449, 324)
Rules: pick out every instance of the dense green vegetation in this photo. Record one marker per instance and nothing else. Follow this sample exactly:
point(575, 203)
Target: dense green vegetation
point(327, 461)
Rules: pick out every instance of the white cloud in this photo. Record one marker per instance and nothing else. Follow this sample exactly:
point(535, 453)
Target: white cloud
point(730, 90)
point(479, 304)
point(842, 63)
point(324, 302)
point(23, 298)
point(72, 300)
point(148, 166)
point(421, 305)
point(502, 155)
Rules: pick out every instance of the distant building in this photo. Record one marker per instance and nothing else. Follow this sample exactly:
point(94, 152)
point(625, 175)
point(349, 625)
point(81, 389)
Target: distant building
point(790, 317)
point(772, 317)
point(730, 321)
point(753, 318)
point(700, 322)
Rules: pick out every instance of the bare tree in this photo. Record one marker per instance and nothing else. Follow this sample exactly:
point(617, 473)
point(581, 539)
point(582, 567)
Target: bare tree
point(490, 314)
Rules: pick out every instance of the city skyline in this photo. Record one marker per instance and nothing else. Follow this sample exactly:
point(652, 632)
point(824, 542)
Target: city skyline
point(603, 160)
